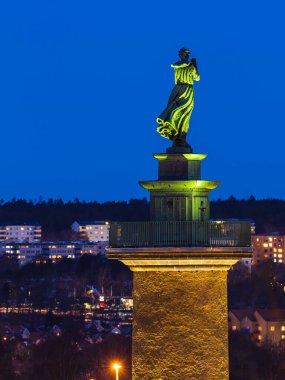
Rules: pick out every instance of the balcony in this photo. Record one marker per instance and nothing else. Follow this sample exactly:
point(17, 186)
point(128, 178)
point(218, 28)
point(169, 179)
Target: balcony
point(180, 234)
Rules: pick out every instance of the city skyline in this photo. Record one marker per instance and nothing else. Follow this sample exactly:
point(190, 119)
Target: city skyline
point(82, 87)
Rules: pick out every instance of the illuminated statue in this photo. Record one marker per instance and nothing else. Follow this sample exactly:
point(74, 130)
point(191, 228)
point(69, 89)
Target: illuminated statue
point(174, 120)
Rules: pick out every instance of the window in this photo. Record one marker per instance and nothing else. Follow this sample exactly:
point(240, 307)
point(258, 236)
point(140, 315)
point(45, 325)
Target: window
point(283, 328)
point(272, 328)
point(234, 328)
point(282, 337)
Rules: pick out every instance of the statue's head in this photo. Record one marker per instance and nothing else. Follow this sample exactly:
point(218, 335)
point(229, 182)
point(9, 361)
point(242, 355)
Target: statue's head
point(184, 54)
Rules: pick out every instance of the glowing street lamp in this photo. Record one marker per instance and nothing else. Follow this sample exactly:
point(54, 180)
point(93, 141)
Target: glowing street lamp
point(116, 367)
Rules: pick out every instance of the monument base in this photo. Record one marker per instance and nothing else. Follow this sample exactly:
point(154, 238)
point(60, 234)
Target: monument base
point(180, 328)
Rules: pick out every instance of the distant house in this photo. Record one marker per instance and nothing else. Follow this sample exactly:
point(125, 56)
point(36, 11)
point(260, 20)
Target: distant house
point(242, 319)
point(115, 330)
point(264, 325)
point(97, 231)
point(55, 330)
point(271, 325)
point(26, 334)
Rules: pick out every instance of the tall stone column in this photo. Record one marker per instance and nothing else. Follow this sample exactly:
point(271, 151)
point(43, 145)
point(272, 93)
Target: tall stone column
point(180, 261)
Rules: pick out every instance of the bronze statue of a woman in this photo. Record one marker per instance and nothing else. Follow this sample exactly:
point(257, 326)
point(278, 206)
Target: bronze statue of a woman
point(174, 120)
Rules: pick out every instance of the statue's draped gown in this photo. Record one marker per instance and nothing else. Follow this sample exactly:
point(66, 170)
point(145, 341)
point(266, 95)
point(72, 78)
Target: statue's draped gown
point(174, 120)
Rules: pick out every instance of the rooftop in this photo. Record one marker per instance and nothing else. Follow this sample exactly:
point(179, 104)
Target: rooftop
point(90, 222)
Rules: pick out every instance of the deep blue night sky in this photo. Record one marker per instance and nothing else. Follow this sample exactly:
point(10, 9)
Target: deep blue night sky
point(83, 81)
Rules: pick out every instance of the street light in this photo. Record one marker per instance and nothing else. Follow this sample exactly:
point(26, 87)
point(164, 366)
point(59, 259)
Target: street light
point(116, 367)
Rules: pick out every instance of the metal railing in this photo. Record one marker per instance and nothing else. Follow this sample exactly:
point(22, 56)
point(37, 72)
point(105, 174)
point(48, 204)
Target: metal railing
point(180, 234)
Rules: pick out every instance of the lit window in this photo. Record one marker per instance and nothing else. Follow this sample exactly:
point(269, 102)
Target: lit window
point(279, 261)
point(265, 255)
point(275, 250)
point(265, 244)
point(272, 328)
point(270, 239)
point(282, 337)
point(270, 244)
point(280, 250)
point(280, 256)
point(283, 328)
point(234, 328)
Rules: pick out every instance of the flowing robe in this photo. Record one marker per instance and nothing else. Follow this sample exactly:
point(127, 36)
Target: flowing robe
point(174, 120)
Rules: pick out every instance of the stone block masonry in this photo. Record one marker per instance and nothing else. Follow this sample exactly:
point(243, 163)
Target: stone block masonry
point(180, 326)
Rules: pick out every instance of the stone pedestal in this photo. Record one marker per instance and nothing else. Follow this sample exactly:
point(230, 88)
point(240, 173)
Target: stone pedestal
point(180, 326)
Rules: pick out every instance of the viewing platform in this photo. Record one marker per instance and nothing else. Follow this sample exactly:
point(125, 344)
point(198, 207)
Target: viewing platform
point(180, 234)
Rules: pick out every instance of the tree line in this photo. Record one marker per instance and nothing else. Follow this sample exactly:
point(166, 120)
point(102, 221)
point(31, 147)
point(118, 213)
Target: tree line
point(56, 215)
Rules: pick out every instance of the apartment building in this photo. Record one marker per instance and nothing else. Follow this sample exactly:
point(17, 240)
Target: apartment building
point(92, 230)
point(268, 247)
point(20, 232)
point(50, 251)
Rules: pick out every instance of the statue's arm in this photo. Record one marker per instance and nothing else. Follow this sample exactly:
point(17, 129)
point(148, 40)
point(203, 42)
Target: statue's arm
point(195, 71)
point(196, 74)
